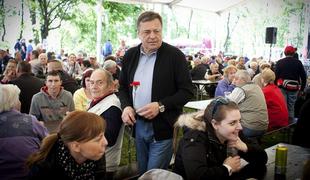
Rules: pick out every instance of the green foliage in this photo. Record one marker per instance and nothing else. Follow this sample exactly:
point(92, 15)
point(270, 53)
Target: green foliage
point(121, 22)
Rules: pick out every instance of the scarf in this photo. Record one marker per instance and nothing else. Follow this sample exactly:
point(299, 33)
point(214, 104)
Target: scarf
point(71, 168)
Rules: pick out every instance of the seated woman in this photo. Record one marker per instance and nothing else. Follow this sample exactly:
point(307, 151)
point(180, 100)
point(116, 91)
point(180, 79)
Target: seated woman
point(20, 134)
point(202, 151)
point(225, 85)
point(213, 75)
point(9, 72)
point(82, 96)
point(75, 152)
point(276, 105)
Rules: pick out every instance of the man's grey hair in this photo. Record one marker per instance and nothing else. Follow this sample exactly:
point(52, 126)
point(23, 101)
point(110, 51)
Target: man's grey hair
point(148, 16)
point(109, 64)
point(9, 97)
point(244, 75)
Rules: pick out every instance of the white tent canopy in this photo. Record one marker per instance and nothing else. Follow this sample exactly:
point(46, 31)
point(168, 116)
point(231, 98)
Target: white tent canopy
point(217, 6)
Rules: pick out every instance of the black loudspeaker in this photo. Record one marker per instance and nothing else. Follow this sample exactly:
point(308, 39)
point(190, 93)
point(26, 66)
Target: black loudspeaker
point(271, 35)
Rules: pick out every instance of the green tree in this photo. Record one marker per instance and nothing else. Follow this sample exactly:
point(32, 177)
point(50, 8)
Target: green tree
point(52, 13)
point(2, 19)
point(120, 21)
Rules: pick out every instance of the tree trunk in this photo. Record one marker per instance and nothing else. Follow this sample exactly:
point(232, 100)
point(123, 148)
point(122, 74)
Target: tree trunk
point(189, 24)
point(44, 31)
point(22, 21)
point(3, 20)
point(227, 40)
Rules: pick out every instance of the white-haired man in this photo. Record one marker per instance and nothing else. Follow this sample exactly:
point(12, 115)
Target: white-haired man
point(252, 104)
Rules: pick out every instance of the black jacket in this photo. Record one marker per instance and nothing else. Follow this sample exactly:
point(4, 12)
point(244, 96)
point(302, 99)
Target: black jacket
point(302, 126)
point(291, 68)
point(171, 86)
point(28, 85)
point(198, 72)
point(200, 155)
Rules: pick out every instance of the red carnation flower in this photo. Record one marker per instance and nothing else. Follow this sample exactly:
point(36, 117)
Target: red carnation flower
point(135, 83)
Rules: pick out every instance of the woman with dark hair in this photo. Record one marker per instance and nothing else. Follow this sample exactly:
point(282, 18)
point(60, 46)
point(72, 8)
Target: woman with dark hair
point(74, 152)
point(82, 96)
point(213, 145)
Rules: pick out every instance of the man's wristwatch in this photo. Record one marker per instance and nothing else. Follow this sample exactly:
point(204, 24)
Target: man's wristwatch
point(161, 107)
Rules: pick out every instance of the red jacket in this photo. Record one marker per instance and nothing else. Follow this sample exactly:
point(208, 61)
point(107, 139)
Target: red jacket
point(276, 105)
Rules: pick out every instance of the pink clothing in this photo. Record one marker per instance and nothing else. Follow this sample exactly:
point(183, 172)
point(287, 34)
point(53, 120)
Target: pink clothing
point(276, 105)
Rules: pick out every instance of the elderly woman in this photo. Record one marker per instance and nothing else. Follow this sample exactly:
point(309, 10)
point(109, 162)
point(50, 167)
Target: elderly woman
point(82, 96)
point(276, 105)
point(74, 152)
point(225, 85)
point(213, 75)
point(20, 136)
point(213, 145)
point(257, 79)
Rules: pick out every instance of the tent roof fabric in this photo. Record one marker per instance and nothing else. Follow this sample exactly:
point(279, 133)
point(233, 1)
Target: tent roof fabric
point(217, 6)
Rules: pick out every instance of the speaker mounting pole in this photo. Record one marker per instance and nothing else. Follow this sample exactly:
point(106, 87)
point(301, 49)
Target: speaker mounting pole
point(270, 53)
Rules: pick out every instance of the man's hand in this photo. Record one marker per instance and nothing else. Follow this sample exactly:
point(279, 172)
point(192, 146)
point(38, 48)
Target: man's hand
point(128, 115)
point(149, 111)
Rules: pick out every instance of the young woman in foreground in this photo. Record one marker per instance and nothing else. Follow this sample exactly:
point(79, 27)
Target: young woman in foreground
point(75, 152)
point(212, 145)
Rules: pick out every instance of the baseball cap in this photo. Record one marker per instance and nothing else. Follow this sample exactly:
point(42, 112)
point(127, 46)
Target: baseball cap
point(289, 50)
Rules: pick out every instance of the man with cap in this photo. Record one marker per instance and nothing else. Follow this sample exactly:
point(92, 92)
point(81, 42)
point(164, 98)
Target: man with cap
point(290, 77)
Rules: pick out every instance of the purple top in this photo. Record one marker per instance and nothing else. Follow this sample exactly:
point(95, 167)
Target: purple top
point(20, 136)
point(222, 86)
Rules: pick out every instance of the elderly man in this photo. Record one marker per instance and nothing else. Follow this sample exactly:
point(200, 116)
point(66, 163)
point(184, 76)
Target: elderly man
point(39, 66)
point(53, 102)
point(111, 66)
point(252, 104)
point(73, 67)
point(21, 134)
point(165, 86)
point(107, 105)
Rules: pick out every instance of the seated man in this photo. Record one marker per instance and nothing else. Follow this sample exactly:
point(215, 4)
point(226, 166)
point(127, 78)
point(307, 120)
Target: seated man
point(106, 104)
point(27, 83)
point(111, 66)
point(20, 134)
point(53, 102)
point(73, 67)
point(252, 104)
point(38, 67)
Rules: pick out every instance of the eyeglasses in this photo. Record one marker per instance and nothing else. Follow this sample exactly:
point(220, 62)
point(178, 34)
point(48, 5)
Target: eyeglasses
point(218, 102)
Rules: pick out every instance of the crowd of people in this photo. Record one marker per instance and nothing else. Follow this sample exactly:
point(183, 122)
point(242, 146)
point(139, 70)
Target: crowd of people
point(63, 117)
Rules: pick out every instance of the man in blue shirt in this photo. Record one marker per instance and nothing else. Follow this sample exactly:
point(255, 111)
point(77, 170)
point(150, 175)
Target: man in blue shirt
point(107, 49)
point(154, 86)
